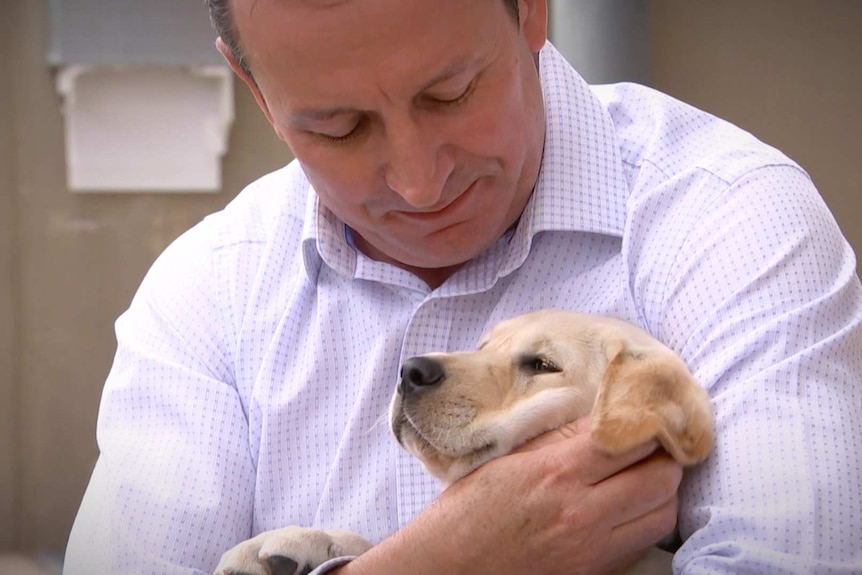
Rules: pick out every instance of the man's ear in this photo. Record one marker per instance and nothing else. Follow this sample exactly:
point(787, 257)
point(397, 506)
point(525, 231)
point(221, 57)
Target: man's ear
point(246, 77)
point(533, 18)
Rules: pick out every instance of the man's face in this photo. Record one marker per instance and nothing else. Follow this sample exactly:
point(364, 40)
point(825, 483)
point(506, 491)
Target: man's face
point(419, 123)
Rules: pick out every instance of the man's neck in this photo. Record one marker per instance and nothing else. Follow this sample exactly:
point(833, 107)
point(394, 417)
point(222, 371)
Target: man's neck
point(434, 277)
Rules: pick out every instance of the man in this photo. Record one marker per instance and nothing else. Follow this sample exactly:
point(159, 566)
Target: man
point(452, 170)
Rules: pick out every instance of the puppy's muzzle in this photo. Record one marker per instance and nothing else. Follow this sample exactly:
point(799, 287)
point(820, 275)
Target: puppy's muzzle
point(420, 374)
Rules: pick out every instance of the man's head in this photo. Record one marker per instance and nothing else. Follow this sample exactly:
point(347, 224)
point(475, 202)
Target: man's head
point(419, 123)
point(222, 21)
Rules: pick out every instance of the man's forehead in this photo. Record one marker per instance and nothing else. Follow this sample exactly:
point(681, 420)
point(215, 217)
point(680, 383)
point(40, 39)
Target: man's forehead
point(284, 30)
point(243, 10)
point(322, 20)
point(250, 4)
point(308, 58)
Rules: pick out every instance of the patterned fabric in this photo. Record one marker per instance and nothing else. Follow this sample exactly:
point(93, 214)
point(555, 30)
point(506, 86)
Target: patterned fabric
point(255, 365)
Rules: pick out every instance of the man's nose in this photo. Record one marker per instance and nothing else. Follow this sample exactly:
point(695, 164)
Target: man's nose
point(417, 166)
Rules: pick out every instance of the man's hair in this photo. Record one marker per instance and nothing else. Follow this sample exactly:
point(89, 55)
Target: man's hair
point(223, 22)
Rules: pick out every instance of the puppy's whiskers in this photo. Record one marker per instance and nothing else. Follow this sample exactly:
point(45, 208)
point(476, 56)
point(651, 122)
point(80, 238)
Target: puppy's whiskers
point(383, 419)
point(449, 439)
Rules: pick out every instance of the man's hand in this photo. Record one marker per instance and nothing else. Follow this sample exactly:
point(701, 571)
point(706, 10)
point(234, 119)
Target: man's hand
point(557, 505)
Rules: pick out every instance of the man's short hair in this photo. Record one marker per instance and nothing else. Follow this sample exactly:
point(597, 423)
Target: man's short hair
point(222, 21)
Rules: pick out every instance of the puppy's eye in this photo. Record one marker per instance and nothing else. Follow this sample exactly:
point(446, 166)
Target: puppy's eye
point(538, 364)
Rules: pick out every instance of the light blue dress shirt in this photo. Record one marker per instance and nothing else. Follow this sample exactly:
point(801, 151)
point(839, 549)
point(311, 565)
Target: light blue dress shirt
point(256, 362)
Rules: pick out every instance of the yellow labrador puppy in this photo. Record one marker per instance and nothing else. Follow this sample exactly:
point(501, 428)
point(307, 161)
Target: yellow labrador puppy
point(530, 374)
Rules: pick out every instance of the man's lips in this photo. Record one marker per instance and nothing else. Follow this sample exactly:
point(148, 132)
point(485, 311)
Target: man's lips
point(445, 210)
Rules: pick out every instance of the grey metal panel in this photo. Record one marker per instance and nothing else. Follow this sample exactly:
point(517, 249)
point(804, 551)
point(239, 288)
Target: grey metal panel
point(605, 40)
point(130, 32)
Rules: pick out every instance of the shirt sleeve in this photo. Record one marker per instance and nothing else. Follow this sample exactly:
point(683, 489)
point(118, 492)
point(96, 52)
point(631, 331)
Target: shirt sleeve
point(173, 485)
point(764, 304)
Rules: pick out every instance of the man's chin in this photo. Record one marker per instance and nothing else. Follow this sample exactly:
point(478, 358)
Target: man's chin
point(433, 259)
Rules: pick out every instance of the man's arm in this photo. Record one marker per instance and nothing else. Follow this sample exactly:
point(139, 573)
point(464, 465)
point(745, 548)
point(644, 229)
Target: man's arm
point(174, 482)
point(764, 304)
point(556, 506)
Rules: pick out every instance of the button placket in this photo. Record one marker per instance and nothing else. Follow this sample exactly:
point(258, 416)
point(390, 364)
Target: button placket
point(428, 330)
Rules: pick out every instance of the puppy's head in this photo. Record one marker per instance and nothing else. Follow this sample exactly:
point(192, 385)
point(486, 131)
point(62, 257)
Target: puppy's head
point(530, 374)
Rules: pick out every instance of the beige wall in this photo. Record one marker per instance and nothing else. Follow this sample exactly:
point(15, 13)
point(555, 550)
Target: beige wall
point(8, 391)
point(69, 263)
point(790, 71)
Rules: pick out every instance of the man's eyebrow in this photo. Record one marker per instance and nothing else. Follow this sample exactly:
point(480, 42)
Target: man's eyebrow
point(311, 115)
point(449, 72)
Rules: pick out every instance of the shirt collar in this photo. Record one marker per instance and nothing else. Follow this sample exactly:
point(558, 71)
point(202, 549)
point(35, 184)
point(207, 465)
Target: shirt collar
point(324, 240)
point(581, 186)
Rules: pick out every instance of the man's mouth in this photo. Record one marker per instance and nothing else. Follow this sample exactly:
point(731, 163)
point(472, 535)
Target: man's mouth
point(445, 209)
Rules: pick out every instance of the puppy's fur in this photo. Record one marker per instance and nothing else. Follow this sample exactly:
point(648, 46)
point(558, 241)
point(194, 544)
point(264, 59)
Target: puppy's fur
point(530, 374)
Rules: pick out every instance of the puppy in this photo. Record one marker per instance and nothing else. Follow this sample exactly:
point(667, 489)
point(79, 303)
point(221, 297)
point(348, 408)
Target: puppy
point(530, 374)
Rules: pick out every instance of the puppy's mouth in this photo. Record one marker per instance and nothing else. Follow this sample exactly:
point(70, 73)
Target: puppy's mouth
point(438, 444)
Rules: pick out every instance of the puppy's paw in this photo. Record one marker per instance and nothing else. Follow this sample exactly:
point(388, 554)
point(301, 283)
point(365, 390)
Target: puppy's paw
point(289, 551)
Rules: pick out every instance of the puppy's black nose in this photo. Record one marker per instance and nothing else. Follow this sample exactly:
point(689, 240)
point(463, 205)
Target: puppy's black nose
point(420, 373)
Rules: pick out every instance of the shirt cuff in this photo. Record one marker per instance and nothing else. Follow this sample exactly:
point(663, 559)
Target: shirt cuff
point(332, 564)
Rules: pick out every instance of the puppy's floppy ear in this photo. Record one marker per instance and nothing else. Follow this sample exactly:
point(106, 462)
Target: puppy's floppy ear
point(648, 394)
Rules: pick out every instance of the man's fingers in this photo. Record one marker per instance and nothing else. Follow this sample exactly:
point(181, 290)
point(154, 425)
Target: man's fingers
point(641, 489)
point(578, 427)
point(603, 466)
point(648, 529)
